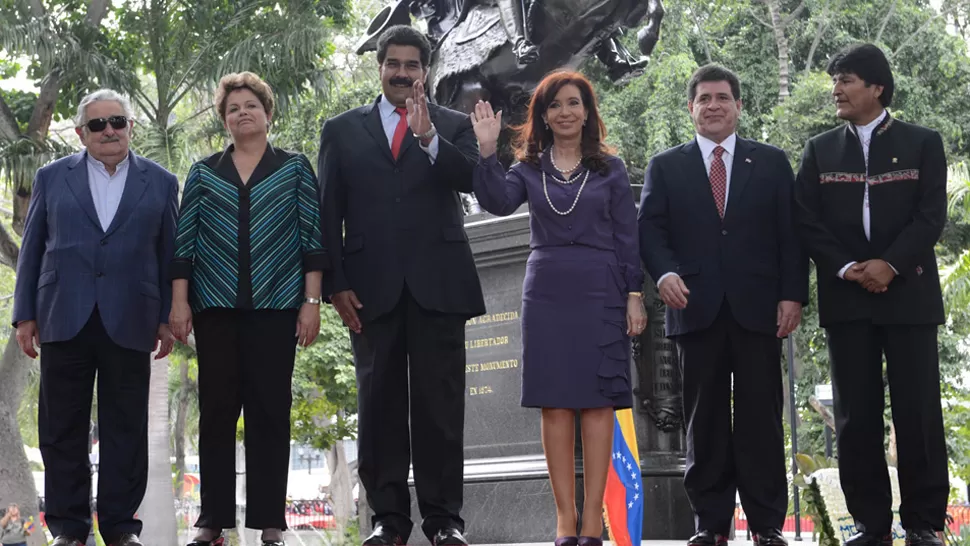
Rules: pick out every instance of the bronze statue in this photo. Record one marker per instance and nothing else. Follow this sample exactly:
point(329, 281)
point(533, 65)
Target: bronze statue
point(497, 50)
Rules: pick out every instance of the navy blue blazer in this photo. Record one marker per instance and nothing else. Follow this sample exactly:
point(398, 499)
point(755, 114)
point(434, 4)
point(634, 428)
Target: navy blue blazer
point(751, 257)
point(68, 263)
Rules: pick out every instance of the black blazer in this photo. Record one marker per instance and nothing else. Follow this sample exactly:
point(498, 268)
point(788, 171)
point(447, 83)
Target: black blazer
point(752, 257)
point(907, 204)
point(388, 223)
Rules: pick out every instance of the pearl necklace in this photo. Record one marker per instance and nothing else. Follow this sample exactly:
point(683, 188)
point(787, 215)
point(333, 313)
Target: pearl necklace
point(552, 158)
point(545, 189)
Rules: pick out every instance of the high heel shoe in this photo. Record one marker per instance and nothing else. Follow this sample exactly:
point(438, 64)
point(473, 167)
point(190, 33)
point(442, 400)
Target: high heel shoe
point(567, 541)
point(590, 541)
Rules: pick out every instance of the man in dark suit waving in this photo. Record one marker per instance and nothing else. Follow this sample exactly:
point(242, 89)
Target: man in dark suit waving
point(404, 281)
point(716, 232)
point(871, 205)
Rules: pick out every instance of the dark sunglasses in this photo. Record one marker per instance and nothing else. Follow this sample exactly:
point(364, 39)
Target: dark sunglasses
point(99, 124)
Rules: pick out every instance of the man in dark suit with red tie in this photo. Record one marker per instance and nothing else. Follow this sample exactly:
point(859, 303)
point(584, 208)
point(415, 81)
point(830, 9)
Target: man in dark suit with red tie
point(404, 281)
point(716, 232)
point(871, 206)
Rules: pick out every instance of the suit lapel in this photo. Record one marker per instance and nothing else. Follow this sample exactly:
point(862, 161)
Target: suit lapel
point(375, 126)
point(743, 164)
point(135, 186)
point(697, 177)
point(77, 181)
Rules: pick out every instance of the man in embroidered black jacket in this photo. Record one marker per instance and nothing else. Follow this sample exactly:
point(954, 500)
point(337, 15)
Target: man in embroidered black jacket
point(871, 204)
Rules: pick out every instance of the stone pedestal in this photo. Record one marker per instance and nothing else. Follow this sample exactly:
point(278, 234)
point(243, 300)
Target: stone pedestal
point(507, 494)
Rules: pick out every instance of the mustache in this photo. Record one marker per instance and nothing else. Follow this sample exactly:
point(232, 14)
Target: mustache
point(402, 81)
point(113, 138)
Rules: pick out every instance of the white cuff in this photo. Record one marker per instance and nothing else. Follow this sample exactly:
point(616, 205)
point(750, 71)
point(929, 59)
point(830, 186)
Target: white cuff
point(664, 276)
point(846, 268)
point(431, 150)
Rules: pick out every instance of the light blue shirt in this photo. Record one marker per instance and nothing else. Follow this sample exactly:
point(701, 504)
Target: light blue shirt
point(106, 189)
point(390, 117)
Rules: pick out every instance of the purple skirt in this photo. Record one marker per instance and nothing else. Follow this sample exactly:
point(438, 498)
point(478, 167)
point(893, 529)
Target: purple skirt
point(576, 353)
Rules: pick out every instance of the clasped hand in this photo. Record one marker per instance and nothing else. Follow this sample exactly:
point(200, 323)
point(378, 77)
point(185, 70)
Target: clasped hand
point(873, 275)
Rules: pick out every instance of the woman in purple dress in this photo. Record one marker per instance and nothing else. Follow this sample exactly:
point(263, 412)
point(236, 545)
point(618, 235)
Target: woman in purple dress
point(581, 295)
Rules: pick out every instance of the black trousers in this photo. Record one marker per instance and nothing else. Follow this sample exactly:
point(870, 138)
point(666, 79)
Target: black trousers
point(912, 364)
point(411, 369)
point(67, 375)
point(748, 457)
point(245, 362)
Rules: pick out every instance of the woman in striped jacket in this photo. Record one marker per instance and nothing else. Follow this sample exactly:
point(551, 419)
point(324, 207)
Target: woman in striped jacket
point(247, 276)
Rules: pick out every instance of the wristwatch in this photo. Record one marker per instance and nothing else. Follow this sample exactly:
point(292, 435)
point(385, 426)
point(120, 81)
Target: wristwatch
point(312, 301)
point(427, 136)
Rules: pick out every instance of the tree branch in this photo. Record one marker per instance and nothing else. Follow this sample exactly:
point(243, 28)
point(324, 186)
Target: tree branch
point(759, 19)
point(700, 30)
point(9, 130)
point(823, 411)
point(9, 251)
point(801, 7)
point(37, 9)
point(96, 11)
point(924, 26)
point(885, 21)
point(145, 103)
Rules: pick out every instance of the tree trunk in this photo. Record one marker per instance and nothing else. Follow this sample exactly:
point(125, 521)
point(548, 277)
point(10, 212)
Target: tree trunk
point(40, 119)
point(181, 415)
point(16, 480)
point(341, 488)
point(778, 27)
point(9, 130)
point(157, 509)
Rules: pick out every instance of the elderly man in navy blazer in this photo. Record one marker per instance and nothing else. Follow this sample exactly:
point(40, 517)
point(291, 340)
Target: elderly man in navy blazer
point(93, 293)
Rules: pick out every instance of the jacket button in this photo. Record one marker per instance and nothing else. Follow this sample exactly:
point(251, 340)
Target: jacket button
point(99, 274)
point(570, 227)
point(397, 199)
point(723, 232)
point(397, 171)
point(104, 242)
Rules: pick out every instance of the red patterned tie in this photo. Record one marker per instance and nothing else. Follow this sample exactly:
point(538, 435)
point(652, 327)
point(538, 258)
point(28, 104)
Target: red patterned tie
point(718, 180)
point(399, 131)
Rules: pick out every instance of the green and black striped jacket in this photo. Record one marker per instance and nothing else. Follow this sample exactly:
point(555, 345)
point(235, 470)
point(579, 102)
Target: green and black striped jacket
point(248, 246)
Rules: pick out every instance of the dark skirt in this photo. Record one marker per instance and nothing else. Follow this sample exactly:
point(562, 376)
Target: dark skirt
point(576, 353)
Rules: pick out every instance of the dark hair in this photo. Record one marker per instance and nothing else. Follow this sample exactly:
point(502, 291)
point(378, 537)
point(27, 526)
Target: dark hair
point(404, 35)
point(869, 63)
point(713, 73)
point(533, 136)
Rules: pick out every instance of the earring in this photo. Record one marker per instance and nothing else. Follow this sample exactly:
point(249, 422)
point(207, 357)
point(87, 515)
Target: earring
point(584, 123)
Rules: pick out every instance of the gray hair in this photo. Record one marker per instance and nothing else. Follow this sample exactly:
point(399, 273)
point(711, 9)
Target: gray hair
point(101, 95)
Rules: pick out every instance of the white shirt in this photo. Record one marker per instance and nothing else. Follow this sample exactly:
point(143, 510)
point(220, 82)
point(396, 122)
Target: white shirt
point(865, 138)
point(707, 153)
point(389, 119)
point(106, 189)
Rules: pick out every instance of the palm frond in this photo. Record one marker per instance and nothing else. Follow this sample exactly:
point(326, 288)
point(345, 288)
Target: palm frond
point(955, 281)
point(20, 159)
point(31, 38)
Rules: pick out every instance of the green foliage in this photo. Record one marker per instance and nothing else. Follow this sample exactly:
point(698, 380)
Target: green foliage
point(325, 387)
point(805, 114)
point(814, 506)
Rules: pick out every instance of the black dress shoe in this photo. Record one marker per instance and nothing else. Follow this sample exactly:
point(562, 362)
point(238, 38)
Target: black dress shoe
point(922, 537)
point(869, 539)
point(384, 535)
point(127, 540)
point(707, 538)
point(769, 537)
point(218, 541)
point(567, 541)
point(449, 536)
point(66, 541)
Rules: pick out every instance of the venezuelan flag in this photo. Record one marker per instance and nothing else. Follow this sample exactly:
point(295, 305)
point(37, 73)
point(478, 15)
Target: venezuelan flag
point(623, 500)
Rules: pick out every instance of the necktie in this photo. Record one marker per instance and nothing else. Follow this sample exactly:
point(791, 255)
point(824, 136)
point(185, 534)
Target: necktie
point(399, 131)
point(718, 178)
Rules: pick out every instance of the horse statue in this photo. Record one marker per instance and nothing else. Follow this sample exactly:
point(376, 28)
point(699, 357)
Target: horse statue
point(498, 50)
